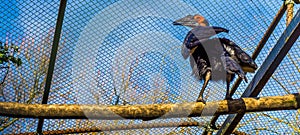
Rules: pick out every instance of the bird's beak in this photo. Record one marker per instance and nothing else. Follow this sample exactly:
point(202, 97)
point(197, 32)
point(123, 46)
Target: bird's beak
point(185, 21)
point(176, 23)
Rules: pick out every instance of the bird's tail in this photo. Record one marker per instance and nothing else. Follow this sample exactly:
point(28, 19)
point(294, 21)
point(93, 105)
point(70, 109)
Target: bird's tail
point(233, 67)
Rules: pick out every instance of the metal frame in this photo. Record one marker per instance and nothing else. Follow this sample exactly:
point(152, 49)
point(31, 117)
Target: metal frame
point(59, 23)
point(279, 51)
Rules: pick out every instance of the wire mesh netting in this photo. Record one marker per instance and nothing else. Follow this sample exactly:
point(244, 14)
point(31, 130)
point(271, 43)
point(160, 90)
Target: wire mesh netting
point(29, 26)
point(128, 52)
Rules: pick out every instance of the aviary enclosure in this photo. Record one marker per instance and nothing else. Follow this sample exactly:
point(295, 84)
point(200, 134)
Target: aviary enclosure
point(116, 67)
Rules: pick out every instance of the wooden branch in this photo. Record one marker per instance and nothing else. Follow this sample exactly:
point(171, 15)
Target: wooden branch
point(151, 111)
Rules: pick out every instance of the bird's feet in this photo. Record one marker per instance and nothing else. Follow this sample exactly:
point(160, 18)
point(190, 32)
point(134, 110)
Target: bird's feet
point(200, 99)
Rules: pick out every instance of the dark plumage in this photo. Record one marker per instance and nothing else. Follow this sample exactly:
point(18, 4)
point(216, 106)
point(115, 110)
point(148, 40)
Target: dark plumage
point(197, 35)
point(213, 59)
point(214, 63)
point(243, 59)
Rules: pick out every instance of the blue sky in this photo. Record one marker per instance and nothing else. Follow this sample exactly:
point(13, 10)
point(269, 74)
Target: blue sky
point(105, 39)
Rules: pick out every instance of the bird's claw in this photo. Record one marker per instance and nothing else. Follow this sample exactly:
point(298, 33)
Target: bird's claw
point(201, 100)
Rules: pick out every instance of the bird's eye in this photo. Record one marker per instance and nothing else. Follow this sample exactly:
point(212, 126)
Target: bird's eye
point(197, 17)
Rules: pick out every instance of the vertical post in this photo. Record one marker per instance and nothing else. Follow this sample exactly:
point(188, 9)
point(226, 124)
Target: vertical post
point(57, 33)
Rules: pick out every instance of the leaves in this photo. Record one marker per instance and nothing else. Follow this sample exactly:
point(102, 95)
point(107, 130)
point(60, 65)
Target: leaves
point(7, 54)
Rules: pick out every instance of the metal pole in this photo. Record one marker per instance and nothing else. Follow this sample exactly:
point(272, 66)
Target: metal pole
point(59, 22)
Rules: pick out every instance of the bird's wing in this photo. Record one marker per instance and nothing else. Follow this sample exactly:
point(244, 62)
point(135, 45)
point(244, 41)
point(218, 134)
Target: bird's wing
point(202, 67)
point(219, 29)
point(199, 62)
point(193, 65)
point(232, 66)
point(186, 46)
point(241, 56)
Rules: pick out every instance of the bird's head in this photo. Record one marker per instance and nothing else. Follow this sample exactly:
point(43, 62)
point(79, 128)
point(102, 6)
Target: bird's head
point(192, 21)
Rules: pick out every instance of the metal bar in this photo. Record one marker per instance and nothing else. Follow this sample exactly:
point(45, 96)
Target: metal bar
point(284, 44)
point(59, 23)
point(259, 47)
point(269, 31)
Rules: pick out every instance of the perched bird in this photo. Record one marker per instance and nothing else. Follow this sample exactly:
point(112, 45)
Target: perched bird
point(213, 59)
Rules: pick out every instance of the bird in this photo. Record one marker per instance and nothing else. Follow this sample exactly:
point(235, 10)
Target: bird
point(213, 58)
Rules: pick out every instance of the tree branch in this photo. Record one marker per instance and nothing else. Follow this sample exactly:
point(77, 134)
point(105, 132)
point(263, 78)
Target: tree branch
point(151, 111)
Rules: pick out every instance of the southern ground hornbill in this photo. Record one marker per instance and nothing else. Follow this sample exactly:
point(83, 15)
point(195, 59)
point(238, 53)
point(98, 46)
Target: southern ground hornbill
point(213, 58)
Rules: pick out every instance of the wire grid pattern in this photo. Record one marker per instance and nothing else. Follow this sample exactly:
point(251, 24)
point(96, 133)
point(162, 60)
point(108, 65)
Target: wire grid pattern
point(128, 52)
point(30, 26)
point(284, 81)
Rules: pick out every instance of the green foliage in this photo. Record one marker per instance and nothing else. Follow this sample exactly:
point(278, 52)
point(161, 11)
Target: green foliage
point(8, 54)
